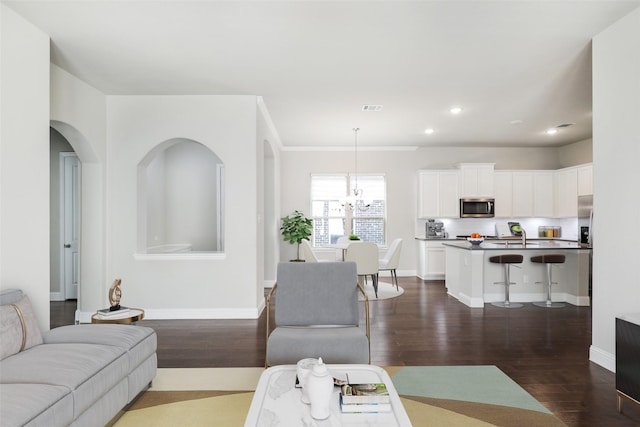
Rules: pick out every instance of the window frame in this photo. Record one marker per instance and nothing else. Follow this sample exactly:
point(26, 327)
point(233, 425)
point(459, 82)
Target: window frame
point(348, 216)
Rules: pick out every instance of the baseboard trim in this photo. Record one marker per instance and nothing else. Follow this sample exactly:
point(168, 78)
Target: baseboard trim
point(602, 358)
point(268, 283)
point(56, 296)
point(468, 301)
point(399, 273)
point(434, 276)
point(191, 313)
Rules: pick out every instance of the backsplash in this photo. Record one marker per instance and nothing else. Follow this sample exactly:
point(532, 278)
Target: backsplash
point(487, 226)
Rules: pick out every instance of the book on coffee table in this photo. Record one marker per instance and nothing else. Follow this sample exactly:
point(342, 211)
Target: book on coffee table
point(364, 393)
point(105, 312)
point(360, 408)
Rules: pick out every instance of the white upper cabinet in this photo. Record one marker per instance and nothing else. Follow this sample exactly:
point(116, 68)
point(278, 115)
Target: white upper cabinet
point(585, 180)
point(503, 193)
point(449, 194)
point(518, 193)
point(543, 192)
point(477, 179)
point(438, 194)
point(566, 200)
point(522, 194)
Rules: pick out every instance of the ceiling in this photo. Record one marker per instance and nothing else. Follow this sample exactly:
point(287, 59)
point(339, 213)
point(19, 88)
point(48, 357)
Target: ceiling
point(516, 67)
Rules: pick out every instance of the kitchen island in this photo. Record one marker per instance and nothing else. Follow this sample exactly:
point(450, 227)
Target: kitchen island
point(470, 277)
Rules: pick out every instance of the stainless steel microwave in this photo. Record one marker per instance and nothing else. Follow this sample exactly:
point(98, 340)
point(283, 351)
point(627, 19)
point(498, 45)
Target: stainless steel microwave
point(477, 207)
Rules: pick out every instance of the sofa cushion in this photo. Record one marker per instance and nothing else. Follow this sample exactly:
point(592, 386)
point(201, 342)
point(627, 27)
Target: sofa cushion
point(10, 331)
point(10, 296)
point(336, 345)
point(140, 342)
point(18, 327)
point(36, 405)
point(89, 370)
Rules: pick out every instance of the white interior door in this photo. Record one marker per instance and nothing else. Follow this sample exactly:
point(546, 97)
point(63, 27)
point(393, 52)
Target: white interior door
point(70, 259)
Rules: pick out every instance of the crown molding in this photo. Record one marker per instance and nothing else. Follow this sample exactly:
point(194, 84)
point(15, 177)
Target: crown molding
point(350, 149)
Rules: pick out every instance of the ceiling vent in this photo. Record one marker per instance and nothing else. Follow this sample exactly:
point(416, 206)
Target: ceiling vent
point(565, 125)
point(371, 107)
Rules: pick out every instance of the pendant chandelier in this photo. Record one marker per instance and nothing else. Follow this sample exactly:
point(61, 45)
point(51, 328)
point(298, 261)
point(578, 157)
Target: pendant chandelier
point(355, 198)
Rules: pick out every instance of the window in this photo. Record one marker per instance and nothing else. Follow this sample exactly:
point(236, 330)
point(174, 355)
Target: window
point(333, 218)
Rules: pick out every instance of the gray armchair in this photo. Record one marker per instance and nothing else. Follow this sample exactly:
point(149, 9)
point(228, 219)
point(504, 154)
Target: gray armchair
point(316, 315)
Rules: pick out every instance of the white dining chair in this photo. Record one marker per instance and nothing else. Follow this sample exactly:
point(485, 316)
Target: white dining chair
point(391, 260)
point(342, 240)
point(366, 256)
point(307, 252)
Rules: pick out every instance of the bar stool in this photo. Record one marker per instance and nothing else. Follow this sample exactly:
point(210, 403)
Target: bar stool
point(549, 260)
point(506, 261)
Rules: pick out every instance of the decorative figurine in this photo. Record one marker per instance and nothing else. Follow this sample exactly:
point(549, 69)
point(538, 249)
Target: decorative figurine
point(115, 293)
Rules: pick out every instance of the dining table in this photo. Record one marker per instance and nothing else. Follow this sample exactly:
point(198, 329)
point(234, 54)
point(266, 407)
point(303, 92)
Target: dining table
point(341, 248)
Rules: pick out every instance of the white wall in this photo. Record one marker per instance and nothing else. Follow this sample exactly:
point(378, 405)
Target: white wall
point(226, 123)
point(268, 146)
point(616, 177)
point(202, 286)
point(24, 160)
point(578, 153)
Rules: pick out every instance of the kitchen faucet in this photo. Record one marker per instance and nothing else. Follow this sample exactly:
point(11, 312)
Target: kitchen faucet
point(524, 238)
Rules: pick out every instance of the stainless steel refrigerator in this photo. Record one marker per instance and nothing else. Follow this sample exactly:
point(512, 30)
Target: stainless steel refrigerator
point(585, 220)
point(585, 229)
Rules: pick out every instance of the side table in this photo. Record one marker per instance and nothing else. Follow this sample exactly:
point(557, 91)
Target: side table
point(128, 318)
point(278, 402)
point(628, 358)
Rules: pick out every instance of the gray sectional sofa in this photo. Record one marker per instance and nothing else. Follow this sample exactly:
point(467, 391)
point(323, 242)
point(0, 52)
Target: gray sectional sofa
point(79, 375)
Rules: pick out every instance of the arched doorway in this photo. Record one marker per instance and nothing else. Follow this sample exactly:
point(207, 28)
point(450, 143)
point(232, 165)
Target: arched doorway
point(89, 259)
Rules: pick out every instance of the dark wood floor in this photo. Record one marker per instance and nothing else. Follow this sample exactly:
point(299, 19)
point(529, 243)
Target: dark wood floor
point(546, 351)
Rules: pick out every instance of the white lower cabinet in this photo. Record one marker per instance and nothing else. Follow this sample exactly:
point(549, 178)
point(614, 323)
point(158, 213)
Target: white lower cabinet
point(431, 260)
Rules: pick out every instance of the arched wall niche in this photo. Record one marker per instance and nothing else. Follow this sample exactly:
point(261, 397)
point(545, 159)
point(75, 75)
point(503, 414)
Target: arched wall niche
point(180, 199)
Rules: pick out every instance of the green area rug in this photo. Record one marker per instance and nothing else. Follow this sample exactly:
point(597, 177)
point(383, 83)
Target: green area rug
point(479, 384)
point(431, 396)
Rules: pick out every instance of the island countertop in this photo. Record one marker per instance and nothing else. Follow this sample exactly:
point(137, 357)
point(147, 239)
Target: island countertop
point(512, 244)
point(474, 280)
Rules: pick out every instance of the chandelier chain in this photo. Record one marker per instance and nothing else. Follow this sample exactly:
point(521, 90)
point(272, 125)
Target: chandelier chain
point(355, 190)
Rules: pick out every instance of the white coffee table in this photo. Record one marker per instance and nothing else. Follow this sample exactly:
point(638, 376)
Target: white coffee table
point(276, 401)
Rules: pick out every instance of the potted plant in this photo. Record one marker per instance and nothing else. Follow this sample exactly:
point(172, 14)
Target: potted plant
point(353, 237)
point(295, 228)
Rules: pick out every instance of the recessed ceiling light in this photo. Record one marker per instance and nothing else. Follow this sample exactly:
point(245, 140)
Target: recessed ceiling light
point(429, 131)
point(552, 131)
point(516, 122)
point(455, 110)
